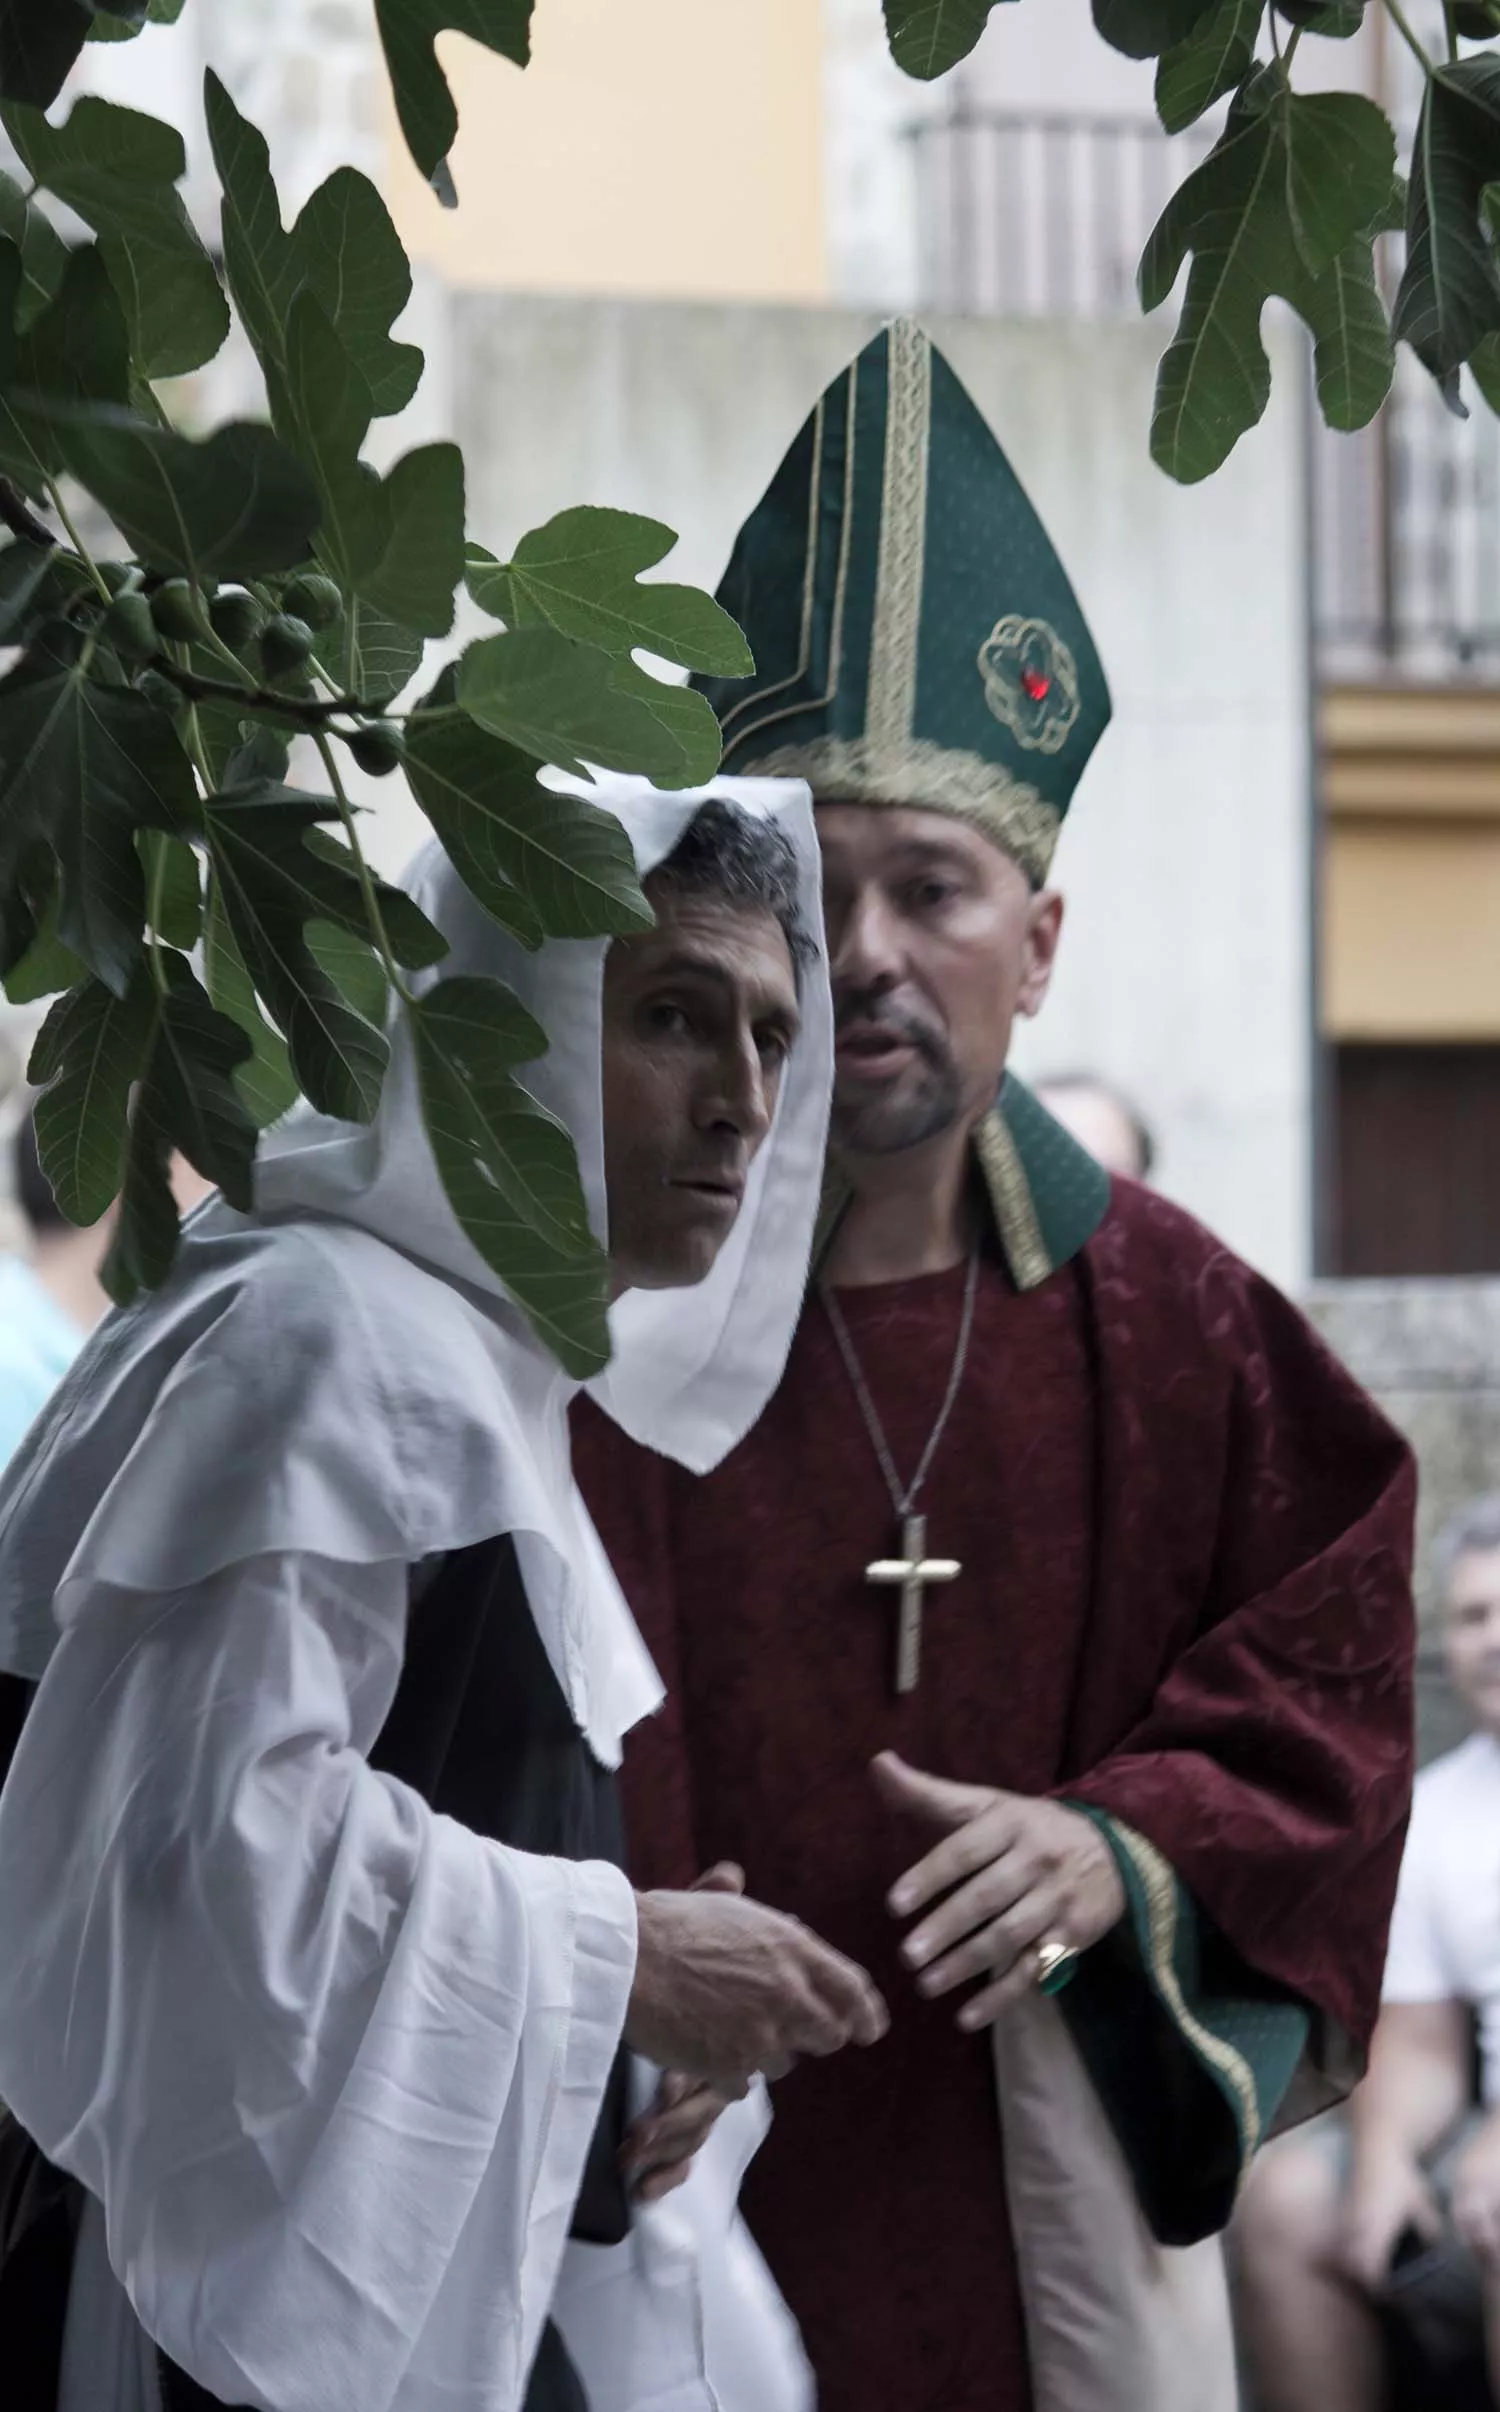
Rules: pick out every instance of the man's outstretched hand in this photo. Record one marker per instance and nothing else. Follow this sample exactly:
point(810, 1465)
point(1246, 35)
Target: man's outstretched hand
point(661, 2146)
point(726, 1990)
point(1015, 1873)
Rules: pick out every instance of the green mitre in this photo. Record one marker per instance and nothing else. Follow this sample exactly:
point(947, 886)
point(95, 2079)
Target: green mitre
point(915, 636)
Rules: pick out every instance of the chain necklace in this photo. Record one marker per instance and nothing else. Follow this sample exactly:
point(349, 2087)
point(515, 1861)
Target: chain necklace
point(913, 1570)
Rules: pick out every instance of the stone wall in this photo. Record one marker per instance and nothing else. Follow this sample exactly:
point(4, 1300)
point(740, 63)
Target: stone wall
point(1429, 1351)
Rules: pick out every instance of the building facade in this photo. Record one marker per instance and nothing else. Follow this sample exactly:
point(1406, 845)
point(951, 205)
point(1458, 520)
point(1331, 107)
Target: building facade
point(1285, 864)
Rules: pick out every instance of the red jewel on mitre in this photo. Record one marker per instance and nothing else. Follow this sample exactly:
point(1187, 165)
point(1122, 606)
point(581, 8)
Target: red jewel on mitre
point(1037, 684)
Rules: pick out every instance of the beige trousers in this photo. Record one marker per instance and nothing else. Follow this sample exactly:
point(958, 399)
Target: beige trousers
point(1115, 2322)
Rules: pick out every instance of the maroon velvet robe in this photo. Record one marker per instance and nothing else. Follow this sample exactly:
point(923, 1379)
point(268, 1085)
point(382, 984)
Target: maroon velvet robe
point(1184, 1536)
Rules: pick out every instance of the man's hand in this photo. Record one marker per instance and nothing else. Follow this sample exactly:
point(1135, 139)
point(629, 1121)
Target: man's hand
point(1016, 1873)
point(726, 1990)
point(1476, 2196)
point(1386, 2196)
point(662, 2145)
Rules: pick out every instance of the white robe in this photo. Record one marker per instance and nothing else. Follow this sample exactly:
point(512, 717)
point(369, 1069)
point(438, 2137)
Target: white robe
point(329, 2061)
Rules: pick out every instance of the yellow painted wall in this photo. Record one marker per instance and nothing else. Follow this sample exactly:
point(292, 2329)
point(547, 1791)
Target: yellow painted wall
point(1411, 867)
point(660, 147)
point(1411, 931)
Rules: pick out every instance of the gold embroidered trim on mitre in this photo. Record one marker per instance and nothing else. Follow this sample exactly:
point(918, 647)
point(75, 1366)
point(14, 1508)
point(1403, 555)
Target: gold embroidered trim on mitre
point(1159, 1883)
point(896, 621)
point(1010, 1195)
point(754, 703)
point(1042, 724)
point(798, 672)
point(932, 777)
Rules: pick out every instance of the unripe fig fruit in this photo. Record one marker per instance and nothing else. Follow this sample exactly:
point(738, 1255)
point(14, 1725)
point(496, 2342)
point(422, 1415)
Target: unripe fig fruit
point(378, 749)
point(177, 612)
point(285, 644)
point(130, 629)
point(314, 599)
point(235, 619)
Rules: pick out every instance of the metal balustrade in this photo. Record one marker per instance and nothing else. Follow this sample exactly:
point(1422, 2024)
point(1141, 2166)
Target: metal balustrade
point(1047, 217)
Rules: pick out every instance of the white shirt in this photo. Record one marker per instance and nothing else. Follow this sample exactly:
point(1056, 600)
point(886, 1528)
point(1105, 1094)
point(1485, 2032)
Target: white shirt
point(1445, 1936)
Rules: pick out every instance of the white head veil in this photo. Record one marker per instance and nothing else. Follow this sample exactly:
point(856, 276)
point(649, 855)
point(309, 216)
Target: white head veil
point(342, 1373)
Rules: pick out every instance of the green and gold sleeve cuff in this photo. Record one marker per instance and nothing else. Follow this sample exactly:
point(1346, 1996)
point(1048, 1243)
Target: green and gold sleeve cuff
point(1189, 2051)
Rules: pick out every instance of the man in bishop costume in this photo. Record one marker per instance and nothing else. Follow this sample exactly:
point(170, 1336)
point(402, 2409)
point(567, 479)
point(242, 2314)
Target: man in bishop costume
point(327, 2010)
point(1046, 1643)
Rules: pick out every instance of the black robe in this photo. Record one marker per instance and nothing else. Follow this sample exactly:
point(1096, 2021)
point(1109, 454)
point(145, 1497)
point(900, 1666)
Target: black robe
point(480, 1729)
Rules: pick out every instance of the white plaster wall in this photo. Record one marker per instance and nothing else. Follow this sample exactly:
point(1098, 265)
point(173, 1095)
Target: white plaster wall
point(1184, 973)
point(308, 72)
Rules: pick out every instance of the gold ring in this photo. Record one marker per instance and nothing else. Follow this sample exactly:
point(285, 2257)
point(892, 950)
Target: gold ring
point(1054, 1966)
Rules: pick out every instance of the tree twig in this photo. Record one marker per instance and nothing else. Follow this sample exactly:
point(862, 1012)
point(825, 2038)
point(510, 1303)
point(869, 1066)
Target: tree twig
point(1397, 17)
point(305, 711)
point(54, 496)
point(376, 918)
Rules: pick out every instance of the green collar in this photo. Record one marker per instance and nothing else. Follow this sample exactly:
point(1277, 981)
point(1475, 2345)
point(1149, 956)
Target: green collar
point(1048, 1194)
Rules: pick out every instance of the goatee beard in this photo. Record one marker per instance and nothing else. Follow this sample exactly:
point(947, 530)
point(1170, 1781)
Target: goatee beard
point(886, 1126)
point(928, 1102)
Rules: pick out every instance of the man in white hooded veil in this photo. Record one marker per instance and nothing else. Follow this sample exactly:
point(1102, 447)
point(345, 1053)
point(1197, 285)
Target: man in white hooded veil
point(320, 1973)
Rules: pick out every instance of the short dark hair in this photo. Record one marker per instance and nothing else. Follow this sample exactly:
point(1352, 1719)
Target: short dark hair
point(726, 851)
point(33, 1189)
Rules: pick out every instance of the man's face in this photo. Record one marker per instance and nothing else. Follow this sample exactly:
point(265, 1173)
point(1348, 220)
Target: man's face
point(936, 942)
point(1471, 1634)
point(699, 1018)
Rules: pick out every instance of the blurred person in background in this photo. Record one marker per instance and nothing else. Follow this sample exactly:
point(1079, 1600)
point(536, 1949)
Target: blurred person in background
point(50, 1296)
point(1102, 1119)
point(1331, 2220)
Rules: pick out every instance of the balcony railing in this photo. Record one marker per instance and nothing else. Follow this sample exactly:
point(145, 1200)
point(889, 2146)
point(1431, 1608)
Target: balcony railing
point(1047, 216)
point(1039, 217)
point(1406, 538)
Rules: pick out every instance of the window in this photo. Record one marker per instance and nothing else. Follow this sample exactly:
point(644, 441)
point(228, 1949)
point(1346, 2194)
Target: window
point(1415, 1159)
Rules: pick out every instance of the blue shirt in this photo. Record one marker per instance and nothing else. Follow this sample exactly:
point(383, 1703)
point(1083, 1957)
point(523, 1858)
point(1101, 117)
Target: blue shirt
point(38, 1343)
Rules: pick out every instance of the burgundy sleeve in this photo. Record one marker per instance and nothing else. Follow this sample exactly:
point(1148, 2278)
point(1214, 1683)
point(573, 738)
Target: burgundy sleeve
point(1273, 1766)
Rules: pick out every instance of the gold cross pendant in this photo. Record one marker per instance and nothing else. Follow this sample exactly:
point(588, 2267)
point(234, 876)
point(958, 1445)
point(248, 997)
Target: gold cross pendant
point(911, 1573)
